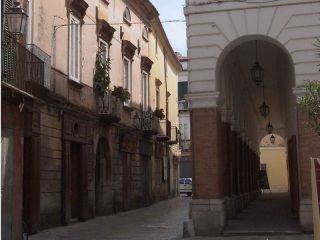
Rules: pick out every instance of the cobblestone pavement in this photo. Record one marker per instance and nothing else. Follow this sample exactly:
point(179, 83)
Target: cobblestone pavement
point(160, 221)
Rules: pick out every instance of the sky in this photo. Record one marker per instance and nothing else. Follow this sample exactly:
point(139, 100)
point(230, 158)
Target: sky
point(176, 32)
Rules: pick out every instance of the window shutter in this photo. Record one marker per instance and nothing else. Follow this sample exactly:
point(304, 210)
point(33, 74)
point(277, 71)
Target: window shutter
point(8, 58)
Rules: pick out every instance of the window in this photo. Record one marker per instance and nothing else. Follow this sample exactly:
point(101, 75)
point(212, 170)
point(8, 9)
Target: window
point(74, 49)
point(103, 50)
point(145, 91)
point(158, 96)
point(127, 16)
point(145, 33)
point(127, 75)
point(29, 23)
point(156, 46)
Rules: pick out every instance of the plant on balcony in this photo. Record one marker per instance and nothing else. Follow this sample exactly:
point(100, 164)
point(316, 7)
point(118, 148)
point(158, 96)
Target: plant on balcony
point(101, 78)
point(159, 113)
point(121, 93)
point(311, 103)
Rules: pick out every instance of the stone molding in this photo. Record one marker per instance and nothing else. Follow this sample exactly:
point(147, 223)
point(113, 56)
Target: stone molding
point(128, 49)
point(203, 100)
point(105, 31)
point(78, 8)
point(146, 64)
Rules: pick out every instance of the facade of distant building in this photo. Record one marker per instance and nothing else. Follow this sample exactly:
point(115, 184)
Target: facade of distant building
point(184, 121)
point(69, 155)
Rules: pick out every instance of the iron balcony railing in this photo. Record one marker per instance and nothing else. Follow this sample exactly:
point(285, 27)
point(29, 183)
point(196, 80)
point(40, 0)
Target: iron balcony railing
point(46, 58)
point(165, 130)
point(110, 108)
point(20, 67)
point(183, 105)
point(174, 136)
point(150, 125)
point(185, 145)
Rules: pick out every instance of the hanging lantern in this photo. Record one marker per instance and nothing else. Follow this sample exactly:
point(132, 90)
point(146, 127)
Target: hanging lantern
point(257, 72)
point(16, 19)
point(264, 109)
point(272, 139)
point(269, 128)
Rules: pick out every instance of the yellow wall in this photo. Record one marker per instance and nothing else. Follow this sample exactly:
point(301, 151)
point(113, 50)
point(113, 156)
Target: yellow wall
point(275, 159)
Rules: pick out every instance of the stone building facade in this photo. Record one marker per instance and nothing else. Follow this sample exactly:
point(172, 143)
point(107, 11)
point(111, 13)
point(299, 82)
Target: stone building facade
point(70, 155)
point(225, 39)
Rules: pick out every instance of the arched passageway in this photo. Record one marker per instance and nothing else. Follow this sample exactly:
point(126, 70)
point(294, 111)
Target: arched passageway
point(222, 97)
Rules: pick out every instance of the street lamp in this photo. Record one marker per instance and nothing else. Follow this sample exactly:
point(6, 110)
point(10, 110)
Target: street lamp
point(272, 139)
point(16, 19)
point(257, 72)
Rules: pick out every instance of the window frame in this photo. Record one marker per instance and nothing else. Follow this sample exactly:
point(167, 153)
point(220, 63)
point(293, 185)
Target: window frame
point(101, 41)
point(145, 90)
point(72, 54)
point(129, 87)
point(127, 16)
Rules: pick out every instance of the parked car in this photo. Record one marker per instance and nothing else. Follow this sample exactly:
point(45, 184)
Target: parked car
point(186, 186)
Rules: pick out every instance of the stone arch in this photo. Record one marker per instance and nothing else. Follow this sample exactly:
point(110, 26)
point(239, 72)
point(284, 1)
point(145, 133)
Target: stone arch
point(243, 39)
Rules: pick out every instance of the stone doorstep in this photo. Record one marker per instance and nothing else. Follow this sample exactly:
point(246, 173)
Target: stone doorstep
point(257, 237)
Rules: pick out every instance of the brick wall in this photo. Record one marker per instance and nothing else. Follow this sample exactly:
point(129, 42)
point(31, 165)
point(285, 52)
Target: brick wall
point(308, 146)
point(207, 167)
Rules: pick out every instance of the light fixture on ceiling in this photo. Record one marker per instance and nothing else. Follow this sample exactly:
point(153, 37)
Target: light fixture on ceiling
point(269, 128)
point(257, 72)
point(264, 108)
point(272, 139)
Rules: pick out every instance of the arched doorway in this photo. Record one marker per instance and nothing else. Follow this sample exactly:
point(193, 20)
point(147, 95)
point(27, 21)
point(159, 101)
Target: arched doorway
point(103, 191)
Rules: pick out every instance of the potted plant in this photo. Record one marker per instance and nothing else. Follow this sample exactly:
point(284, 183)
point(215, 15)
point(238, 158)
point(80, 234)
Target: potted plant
point(159, 113)
point(101, 78)
point(121, 93)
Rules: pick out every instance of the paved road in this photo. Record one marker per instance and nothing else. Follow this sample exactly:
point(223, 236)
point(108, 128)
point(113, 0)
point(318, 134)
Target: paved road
point(160, 221)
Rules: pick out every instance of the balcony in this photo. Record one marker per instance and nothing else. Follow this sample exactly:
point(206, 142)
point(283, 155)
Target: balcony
point(150, 125)
point(174, 136)
point(164, 134)
point(109, 108)
point(22, 69)
point(183, 105)
point(185, 145)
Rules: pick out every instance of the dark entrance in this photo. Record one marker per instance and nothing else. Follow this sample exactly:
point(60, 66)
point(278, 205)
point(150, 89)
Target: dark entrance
point(75, 188)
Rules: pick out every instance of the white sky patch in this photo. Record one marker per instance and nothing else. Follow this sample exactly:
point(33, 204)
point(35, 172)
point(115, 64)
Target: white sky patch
point(176, 31)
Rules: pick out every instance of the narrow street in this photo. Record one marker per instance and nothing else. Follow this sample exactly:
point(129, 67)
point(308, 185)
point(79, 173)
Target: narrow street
point(162, 220)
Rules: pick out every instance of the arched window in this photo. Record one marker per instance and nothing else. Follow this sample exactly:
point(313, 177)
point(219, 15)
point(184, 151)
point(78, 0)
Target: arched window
point(127, 16)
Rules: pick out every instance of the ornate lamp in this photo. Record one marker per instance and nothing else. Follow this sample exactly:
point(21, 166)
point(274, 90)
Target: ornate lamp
point(272, 139)
point(269, 128)
point(264, 108)
point(257, 72)
point(16, 19)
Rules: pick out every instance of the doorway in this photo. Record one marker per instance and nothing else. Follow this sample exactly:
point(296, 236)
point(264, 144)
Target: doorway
point(75, 180)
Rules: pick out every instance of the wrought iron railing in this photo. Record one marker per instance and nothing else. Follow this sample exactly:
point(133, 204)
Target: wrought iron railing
point(183, 105)
point(165, 130)
point(174, 136)
point(149, 123)
point(20, 67)
point(109, 107)
point(46, 58)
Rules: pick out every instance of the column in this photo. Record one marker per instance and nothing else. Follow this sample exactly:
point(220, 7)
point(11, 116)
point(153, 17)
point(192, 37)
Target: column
point(208, 210)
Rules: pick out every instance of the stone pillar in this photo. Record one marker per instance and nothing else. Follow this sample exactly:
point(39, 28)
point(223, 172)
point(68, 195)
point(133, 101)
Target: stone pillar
point(232, 171)
point(208, 210)
point(308, 146)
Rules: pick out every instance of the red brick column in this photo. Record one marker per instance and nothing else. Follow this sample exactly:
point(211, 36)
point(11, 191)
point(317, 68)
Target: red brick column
point(225, 158)
point(232, 160)
point(206, 149)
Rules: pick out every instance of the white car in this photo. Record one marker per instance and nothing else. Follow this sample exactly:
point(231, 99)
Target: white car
point(186, 186)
